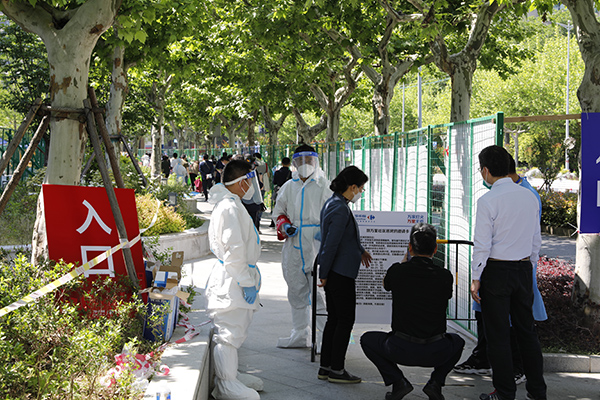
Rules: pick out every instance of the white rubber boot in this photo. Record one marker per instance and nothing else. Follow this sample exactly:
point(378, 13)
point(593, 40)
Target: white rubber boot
point(227, 386)
point(300, 336)
point(251, 381)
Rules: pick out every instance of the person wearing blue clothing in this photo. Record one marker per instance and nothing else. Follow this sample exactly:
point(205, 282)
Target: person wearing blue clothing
point(340, 256)
point(478, 363)
point(296, 214)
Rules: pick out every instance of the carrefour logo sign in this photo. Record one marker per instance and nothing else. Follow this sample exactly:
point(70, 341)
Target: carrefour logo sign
point(365, 218)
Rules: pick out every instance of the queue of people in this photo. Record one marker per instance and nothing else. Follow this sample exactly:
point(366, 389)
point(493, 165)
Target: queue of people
point(313, 217)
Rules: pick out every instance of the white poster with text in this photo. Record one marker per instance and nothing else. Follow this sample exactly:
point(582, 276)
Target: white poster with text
point(385, 235)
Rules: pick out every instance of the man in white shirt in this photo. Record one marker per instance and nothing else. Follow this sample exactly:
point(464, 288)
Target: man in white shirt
point(507, 236)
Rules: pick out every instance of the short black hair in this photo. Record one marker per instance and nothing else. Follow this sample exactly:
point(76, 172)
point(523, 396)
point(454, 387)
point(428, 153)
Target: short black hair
point(512, 165)
point(257, 155)
point(423, 239)
point(205, 157)
point(234, 169)
point(286, 161)
point(496, 159)
point(349, 176)
point(174, 155)
point(303, 147)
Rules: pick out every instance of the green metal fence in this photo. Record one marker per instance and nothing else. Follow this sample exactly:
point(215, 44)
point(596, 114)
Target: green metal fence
point(37, 161)
point(432, 170)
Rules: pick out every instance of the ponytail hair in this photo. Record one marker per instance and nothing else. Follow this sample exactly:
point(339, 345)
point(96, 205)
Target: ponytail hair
point(349, 176)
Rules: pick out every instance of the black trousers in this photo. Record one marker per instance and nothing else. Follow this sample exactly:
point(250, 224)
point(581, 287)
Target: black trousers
point(479, 357)
point(340, 297)
point(507, 296)
point(386, 351)
point(206, 185)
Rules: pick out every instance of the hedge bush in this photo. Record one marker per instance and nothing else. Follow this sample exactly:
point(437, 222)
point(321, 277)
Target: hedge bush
point(559, 209)
point(168, 220)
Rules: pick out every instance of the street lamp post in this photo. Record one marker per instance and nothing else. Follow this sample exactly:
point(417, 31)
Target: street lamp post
point(568, 27)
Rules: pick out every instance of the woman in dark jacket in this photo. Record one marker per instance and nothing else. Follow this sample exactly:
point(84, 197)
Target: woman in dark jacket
point(340, 257)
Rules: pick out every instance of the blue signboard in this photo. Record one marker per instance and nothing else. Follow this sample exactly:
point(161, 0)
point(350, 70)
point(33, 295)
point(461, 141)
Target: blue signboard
point(590, 173)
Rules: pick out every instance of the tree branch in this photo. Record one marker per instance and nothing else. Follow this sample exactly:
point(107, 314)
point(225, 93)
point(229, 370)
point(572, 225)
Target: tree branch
point(404, 17)
point(27, 17)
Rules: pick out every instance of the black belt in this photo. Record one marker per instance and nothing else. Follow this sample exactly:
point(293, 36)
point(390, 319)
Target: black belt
point(522, 259)
point(417, 340)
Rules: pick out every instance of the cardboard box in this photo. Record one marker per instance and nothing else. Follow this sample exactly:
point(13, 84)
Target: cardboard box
point(164, 293)
point(157, 299)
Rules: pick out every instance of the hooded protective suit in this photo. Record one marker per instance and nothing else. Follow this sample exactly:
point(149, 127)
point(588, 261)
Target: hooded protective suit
point(235, 242)
point(301, 202)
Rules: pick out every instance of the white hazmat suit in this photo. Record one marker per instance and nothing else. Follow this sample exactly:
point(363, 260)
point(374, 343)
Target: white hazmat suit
point(235, 241)
point(301, 202)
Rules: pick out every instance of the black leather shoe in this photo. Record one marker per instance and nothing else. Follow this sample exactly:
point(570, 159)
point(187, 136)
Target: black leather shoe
point(399, 390)
point(433, 390)
point(344, 377)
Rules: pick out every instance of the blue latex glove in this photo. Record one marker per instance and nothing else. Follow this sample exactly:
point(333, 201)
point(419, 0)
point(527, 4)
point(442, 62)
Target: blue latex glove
point(318, 235)
point(290, 230)
point(250, 294)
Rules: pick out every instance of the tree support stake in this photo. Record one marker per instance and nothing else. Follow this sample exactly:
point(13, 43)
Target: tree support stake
point(110, 191)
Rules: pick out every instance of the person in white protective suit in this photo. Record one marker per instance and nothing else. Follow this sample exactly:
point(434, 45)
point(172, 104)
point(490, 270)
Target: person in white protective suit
point(233, 285)
point(297, 215)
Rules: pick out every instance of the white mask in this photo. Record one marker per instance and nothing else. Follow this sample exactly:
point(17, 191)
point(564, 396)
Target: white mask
point(306, 170)
point(357, 197)
point(248, 195)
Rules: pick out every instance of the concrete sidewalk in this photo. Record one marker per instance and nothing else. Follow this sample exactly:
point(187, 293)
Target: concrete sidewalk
point(288, 374)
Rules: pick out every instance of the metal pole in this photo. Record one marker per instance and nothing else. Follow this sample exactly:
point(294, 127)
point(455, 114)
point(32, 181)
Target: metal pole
point(420, 96)
point(403, 93)
point(569, 27)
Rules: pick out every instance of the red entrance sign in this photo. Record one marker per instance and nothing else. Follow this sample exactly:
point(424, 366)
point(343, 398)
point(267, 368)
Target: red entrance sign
point(80, 226)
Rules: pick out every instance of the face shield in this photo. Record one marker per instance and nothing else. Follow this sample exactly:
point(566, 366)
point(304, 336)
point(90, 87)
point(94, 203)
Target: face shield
point(250, 186)
point(306, 163)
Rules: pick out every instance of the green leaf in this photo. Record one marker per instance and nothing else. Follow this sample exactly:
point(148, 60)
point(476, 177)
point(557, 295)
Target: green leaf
point(141, 36)
point(127, 35)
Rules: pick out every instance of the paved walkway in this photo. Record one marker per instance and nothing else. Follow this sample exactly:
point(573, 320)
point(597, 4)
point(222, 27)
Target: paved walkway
point(288, 374)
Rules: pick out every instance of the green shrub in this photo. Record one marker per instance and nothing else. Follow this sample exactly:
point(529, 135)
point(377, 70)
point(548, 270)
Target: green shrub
point(49, 349)
point(168, 220)
point(559, 209)
point(18, 218)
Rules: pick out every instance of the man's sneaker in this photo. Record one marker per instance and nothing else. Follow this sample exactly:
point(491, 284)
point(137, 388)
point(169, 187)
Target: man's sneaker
point(520, 378)
point(323, 374)
point(344, 377)
point(466, 368)
point(490, 396)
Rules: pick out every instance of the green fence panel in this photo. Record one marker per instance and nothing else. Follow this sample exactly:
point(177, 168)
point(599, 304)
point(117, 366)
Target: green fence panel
point(37, 161)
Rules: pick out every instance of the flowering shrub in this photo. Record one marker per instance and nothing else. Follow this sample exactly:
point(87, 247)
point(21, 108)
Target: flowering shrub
point(564, 330)
point(559, 209)
point(49, 348)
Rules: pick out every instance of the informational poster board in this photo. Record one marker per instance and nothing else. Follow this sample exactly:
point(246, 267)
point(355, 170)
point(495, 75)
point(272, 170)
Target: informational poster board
point(385, 235)
point(80, 226)
point(590, 173)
